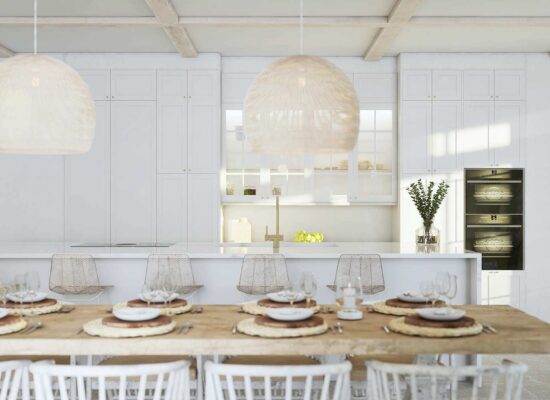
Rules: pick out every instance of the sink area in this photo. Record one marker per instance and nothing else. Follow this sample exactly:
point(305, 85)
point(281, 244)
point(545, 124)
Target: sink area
point(283, 244)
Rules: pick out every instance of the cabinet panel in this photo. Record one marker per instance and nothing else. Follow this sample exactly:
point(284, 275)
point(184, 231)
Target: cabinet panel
point(128, 84)
point(415, 128)
point(172, 85)
point(99, 82)
point(447, 85)
point(478, 84)
point(375, 87)
point(132, 171)
point(509, 85)
point(446, 121)
point(87, 186)
point(172, 208)
point(203, 208)
point(203, 141)
point(474, 135)
point(171, 136)
point(506, 133)
point(502, 288)
point(204, 87)
point(416, 85)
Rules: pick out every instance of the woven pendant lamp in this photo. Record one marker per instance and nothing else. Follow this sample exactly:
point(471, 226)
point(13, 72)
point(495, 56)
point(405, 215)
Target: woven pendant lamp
point(45, 107)
point(301, 105)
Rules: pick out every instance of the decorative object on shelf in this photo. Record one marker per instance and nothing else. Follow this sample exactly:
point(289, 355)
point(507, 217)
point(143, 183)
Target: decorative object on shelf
point(229, 190)
point(427, 203)
point(249, 191)
point(243, 231)
point(276, 190)
point(45, 106)
point(305, 237)
point(301, 105)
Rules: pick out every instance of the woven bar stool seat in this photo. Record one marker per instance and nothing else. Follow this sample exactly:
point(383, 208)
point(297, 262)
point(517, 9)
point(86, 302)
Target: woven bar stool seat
point(176, 267)
point(74, 274)
point(368, 267)
point(263, 273)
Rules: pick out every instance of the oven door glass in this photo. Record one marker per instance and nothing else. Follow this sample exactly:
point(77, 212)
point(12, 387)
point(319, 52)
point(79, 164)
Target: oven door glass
point(494, 197)
point(500, 246)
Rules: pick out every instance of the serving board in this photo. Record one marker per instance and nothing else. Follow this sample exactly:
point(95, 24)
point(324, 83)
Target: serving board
point(10, 319)
point(117, 323)
point(273, 304)
point(403, 304)
point(464, 322)
point(173, 304)
point(36, 304)
point(307, 323)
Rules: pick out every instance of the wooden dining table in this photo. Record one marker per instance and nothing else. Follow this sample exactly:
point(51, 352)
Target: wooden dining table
point(61, 334)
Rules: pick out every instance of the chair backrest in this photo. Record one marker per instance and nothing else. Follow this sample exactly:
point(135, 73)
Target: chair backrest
point(74, 274)
point(263, 273)
point(366, 266)
point(177, 267)
point(249, 382)
point(167, 381)
point(14, 380)
point(401, 381)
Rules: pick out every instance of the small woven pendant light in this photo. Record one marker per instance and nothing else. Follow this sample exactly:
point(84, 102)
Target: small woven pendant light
point(301, 105)
point(45, 106)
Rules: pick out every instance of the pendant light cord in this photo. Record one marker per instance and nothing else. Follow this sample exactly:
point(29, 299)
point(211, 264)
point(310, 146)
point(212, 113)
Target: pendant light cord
point(35, 23)
point(301, 27)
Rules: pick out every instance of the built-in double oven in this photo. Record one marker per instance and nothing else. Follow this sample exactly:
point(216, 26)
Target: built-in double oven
point(494, 216)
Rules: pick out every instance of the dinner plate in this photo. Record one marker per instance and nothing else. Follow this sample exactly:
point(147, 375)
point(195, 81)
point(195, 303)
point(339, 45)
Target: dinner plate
point(289, 314)
point(3, 312)
point(281, 297)
point(38, 296)
point(136, 313)
point(157, 298)
point(412, 297)
point(441, 313)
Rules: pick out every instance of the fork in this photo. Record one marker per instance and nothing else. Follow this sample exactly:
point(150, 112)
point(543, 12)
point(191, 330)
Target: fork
point(197, 310)
point(339, 328)
point(34, 327)
point(184, 328)
point(489, 328)
point(66, 309)
point(234, 329)
point(386, 329)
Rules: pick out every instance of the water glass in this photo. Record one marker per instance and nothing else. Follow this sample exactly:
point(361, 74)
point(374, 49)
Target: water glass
point(308, 284)
point(33, 284)
point(147, 293)
point(291, 292)
point(3, 293)
point(453, 288)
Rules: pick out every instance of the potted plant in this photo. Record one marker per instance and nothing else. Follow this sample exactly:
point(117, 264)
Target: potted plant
point(427, 203)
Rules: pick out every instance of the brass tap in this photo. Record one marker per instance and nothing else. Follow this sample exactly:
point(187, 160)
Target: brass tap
point(277, 238)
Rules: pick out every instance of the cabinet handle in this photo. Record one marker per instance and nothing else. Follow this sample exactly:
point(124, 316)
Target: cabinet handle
point(434, 97)
point(107, 97)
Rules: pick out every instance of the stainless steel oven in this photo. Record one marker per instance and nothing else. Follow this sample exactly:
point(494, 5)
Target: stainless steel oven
point(494, 216)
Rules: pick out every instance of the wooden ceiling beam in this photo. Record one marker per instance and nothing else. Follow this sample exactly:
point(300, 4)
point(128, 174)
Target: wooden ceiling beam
point(400, 15)
point(168, 17)
point(5, 52)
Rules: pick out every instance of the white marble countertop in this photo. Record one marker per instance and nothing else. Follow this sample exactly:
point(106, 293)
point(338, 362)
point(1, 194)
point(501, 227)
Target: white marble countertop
point(35, 250)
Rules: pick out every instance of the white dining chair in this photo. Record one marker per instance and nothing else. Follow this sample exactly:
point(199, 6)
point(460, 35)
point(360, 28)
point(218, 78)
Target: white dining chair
point(14, 380)
point(252, 382)
point(167, 381)
point(421, 382)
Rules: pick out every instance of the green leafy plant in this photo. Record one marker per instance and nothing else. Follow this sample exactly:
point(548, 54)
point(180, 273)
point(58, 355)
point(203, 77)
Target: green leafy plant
point(427, 201)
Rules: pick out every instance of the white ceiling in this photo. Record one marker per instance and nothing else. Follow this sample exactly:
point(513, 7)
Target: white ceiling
point(275, 40)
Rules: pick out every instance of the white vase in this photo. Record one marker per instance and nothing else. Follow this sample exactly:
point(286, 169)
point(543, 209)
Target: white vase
point(243, 231)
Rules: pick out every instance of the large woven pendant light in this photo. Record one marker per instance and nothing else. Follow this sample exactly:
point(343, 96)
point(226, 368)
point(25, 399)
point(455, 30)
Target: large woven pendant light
point(301, 105)
point(45, 106)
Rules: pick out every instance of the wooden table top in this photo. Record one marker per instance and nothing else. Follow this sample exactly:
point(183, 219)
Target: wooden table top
point(211, 334)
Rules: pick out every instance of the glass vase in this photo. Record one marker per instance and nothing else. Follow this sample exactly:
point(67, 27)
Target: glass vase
point(427, 239)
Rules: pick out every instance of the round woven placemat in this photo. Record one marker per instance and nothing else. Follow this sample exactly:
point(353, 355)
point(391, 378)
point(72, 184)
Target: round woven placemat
point(463, 322)
point(255, 308)
point(46, 306)
point(306, 323)
point(250, 327)
point(96, 328)
point(11, 324)
point(36, 304)
point(173, 304)
point(163, 311)
point(399, 325)
point(118, 323)
point(403, 304)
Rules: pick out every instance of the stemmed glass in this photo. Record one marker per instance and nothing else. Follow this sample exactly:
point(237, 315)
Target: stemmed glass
point(19, 287)
point(291, 292)
point(308, 284)
point(453, 288)
point(147, 293)
point(166, 288)
point(33, 284)
point(3, 294)
point(428, 290)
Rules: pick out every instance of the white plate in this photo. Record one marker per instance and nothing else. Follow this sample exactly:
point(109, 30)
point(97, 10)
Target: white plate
point(157, 298)
point(280, 297)
point(441, 314)
point(289, 314)
point(136, 313)
point(3, 312)
point(413, 298)
point(38, 296)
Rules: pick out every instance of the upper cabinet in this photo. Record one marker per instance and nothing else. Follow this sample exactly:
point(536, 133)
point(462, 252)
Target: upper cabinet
point(494, 85)
point(509, 85)
point(99, 82)
point(416, 120)
point(133, 84)
point(479, 84)
point(431, 85)
point(446, 85)
point(416, 85)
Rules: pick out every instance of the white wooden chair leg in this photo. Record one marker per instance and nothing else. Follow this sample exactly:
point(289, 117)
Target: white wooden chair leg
point(200, 378)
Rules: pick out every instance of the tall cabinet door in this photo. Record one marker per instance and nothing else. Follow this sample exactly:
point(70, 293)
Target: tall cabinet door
point(203, 126)
point(506, 133)
point(203, 208)
point(446, 121)
point(474, 136)
point(133, 171)
point(415, 131)
point(172, 207)
point(87, 186)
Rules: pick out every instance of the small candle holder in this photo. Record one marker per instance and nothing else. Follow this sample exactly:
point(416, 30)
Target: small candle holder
point(349, 297)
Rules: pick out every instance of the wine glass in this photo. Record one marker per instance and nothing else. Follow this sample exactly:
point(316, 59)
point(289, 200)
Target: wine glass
point(166, 287)
point(3, 294)
point(19, 287)
point(308, 284)
point(291, 292)
point(33, 284)
point(147, 293)
point(453, 288)
point(427, 288)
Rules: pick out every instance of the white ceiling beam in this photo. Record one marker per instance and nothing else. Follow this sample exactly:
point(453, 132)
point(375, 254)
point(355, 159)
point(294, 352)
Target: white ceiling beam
point(400, 14)
point(92, 21)
point(5, 52)
point(504, 22)
point(168, 17)
point(376, 22)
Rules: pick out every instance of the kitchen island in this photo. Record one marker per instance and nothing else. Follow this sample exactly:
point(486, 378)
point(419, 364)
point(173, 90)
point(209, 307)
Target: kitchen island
point(217, 266)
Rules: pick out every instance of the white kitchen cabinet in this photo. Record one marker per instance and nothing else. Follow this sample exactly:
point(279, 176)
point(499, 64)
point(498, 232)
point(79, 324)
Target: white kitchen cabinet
point(375, 87)
point(133, 175)
point(87, 186)
point(171, 136)
point(172, 85)
point(446, 124)
point(416, 119)
point(474, 146)
point(172, 208)
point(447, 85)
point(502, 288)
point(133, 84)
point(99, 82)
point(506, 133)
point(203, 208)
point(509, 85)
point(416, 85)
point(479, 84)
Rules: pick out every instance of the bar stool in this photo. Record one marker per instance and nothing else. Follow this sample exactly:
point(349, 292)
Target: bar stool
point(263, 273)
point(176, 267)
point(368, 267)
